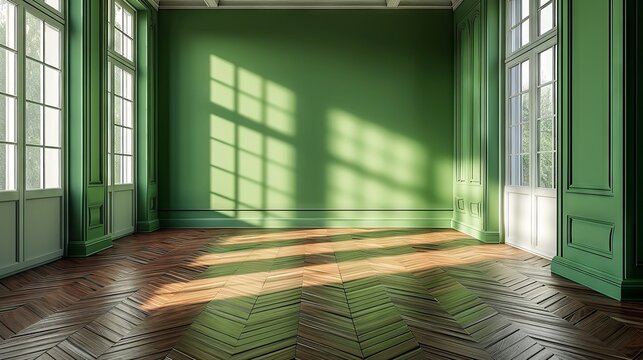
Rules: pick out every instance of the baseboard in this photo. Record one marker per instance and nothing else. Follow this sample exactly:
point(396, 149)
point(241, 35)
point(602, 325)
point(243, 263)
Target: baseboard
point(148, 226)
point(605, 284)
point(87, 248)
point(322, 218)
point(29, 264)
point(490, 237)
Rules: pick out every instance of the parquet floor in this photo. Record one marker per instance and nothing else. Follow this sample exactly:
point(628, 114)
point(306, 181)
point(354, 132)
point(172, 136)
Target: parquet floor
point(310, 294)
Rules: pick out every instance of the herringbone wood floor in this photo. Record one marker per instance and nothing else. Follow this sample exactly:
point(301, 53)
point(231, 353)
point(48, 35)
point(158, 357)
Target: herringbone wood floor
point(309, 294)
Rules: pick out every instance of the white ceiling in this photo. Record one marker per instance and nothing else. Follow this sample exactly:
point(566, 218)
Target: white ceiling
point(308, 4)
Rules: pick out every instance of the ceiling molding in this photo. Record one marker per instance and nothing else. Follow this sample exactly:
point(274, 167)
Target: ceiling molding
point(307, 4)
point(456, 3)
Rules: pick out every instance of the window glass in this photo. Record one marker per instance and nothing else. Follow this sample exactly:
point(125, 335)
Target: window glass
point(546, 118)
point(8, 108)
point(519, 130)
point(43, 115)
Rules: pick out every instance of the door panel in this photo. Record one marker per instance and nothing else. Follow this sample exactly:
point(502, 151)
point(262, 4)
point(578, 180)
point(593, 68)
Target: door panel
point(9, 238)
point(46, 237)
point(518, 222)
point(122, 212)
point(546, 225)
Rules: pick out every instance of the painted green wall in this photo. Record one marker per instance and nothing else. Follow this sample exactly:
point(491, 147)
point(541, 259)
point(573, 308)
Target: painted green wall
point(477, 181)
point(599, 244)
point(296, 118)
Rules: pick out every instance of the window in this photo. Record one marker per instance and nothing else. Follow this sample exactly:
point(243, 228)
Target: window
point(43, 107)
point(528, 21)
point(8, 97)
point(531, 94)
point(121, 85)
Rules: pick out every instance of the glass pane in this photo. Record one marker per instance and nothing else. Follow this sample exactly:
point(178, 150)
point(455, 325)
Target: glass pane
point(514, 172)
point(52, 46)
point(118, 16)
point(118, 42)
point(33, 168)
point(545, 135)
point(128, 23)
point(118, 112)
point(546, 101)
point(127, 48)
point(127, 141)
point(33, 81)
point(52, 127)
point(515, 39)
point(52, 168)
point(7, 119)
point(524, 140)
point(117, 169)
point(524, 109)
point(33, 36)
point(546, 16)
point(127, 169)
point(7, 24)
point(524, 76)
point(118, 139)
point(118, 80)
point(514, 147)
point(524, 7)
point(524, 170)
point(515, 111)
point(53, 3)
point(7, 167)
point(525, 33)
point(52, 87)
point(7, 72)
point(546, 170)
point(546, 66)
point(33, 123)
point(127, 113)
point(127, 85)
point(515, 80)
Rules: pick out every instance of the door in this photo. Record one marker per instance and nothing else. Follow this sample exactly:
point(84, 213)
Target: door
point(121, 114)
point(530, 191)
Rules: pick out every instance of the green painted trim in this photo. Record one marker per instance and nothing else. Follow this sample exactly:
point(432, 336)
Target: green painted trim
point(213, 219)
point(90, 247)
point(148, 226)
point(489, 237)
point(29, 264)
point(605, 284)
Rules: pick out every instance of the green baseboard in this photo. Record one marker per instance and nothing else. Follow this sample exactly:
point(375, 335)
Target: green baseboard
point(321, 218)
point(148, 226)
point(490, 237)
point(31, 263)
point(619, 289)
point(87, 248)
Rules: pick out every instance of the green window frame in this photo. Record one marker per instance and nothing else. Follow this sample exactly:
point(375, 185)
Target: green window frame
point(121, 89)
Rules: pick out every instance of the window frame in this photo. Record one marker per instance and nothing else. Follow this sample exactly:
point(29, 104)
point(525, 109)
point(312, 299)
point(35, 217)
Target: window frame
point(114, 59)
point(52, 21)
point(534, 27)
point(36, 8)
point(530, 52)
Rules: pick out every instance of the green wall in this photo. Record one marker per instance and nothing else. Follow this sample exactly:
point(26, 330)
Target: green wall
point(302, 118)
point(599, 244)
point(478, 131)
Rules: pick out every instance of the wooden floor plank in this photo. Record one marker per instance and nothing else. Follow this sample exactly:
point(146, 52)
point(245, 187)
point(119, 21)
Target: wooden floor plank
point(310, 294)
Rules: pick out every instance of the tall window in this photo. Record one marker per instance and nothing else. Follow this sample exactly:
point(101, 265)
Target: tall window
point(121, 71)
point(531, 93)
point(8, 97)
point(43, 107)
point(42, 98)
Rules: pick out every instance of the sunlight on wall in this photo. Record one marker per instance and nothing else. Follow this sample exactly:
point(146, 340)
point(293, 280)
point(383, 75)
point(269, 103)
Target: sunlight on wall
point(252, 160)
point(372, 167)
